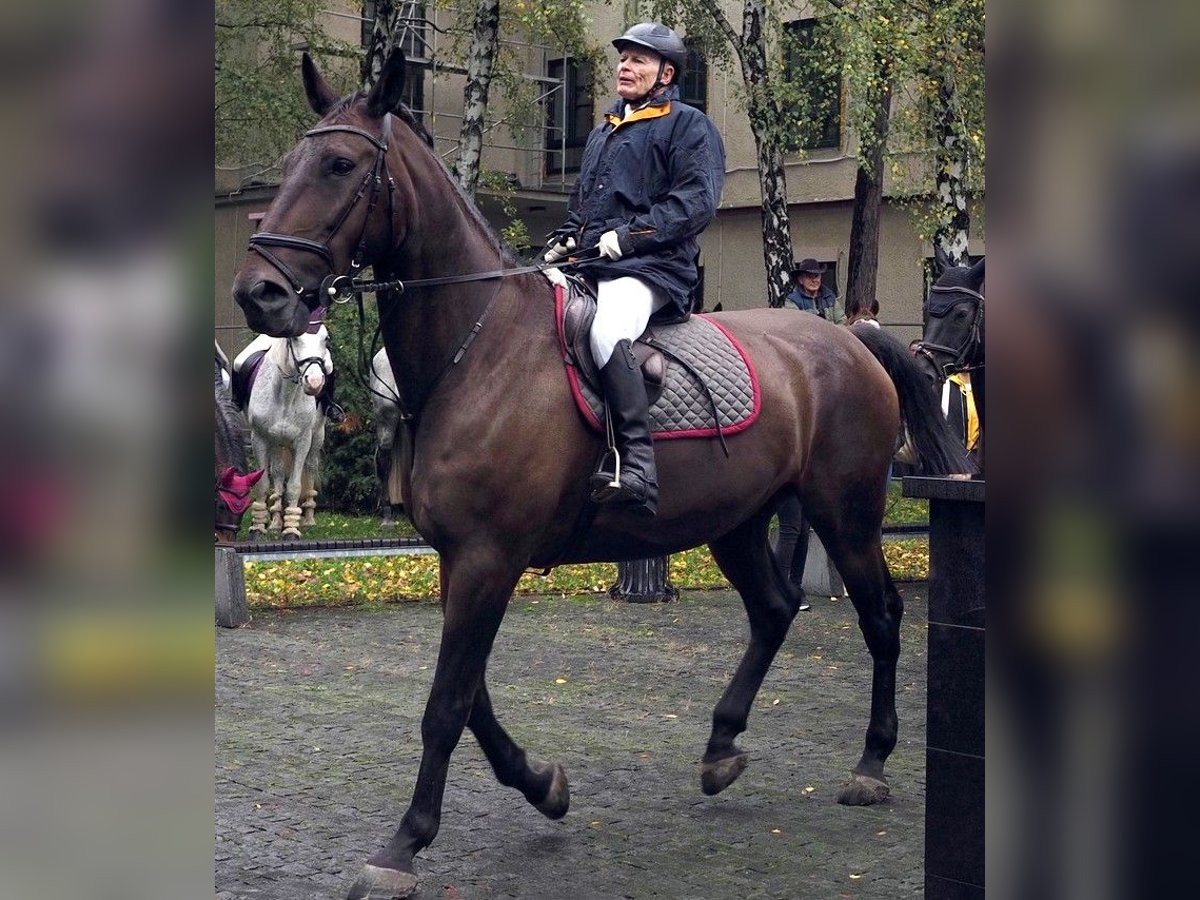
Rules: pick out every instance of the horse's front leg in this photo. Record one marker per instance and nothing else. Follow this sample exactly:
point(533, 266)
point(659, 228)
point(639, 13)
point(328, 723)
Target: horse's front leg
point(312, 468)
point(543, 784)
point(475, 593)
point(292, 511)
point(258, 507)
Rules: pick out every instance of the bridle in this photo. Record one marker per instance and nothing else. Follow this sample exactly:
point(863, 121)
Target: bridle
point(959, 356)
point(260, 241)
point(337, 288)
point(341, 288)
point(302, 363)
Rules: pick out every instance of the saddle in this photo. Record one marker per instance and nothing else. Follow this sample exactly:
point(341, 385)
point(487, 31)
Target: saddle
point(577, 311)
point(699, 381)
point(243, 377)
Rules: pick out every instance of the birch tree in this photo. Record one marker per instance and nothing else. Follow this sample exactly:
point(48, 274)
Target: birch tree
point(707, 24)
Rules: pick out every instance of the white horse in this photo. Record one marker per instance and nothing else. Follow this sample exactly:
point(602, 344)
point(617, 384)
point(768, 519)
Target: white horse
point(287, 428)
point(387, 423)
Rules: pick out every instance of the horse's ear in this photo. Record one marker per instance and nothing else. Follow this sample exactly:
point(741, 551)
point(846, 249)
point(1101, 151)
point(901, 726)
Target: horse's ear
point(320, 95)
point(975, 273)
point(940, 259)
point(388, 93)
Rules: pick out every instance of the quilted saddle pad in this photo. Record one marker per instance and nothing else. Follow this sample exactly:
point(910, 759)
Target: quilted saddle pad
point(709, 385)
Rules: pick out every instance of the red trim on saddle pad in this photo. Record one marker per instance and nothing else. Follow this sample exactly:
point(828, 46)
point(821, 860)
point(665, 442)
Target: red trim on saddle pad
point(596, 424)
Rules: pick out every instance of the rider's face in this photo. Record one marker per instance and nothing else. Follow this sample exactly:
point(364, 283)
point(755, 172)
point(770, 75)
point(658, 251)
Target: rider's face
point(637, 71)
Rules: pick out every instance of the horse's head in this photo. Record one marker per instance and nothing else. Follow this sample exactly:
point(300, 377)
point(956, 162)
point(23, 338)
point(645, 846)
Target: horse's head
point(336, 209)
point(952, 337)
point(308, 352)
point(233, 499)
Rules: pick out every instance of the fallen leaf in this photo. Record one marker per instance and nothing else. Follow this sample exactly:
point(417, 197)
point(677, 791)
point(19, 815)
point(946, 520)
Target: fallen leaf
point(560, 681)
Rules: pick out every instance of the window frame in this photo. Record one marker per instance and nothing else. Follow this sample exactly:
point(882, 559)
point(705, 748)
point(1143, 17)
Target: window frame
point(580, 114)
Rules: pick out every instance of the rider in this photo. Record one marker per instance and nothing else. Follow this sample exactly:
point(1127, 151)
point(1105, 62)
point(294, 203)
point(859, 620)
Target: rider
point(650, 181)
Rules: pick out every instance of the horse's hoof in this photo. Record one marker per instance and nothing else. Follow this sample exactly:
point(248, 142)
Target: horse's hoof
point(863, 790)
point(291, 534)
point(257, 534)
point(716, 776)
point(378, 883)
point(558, 798)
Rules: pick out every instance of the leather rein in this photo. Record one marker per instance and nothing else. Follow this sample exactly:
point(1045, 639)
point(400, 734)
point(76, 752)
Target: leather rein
point(335, 288)
point(958, 355)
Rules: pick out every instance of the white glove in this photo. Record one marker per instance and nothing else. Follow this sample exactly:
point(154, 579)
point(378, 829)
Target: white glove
point(555, 276)
point(609, 246)
point(560, 251)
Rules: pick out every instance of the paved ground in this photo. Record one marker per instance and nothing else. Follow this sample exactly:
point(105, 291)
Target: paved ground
point(318, 739)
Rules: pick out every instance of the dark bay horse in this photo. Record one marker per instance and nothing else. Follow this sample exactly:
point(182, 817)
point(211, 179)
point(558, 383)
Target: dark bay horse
point(952, 338)
point(496, 456)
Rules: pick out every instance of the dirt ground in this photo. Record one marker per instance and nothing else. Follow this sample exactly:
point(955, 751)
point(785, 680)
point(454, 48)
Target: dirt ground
point(318, 740)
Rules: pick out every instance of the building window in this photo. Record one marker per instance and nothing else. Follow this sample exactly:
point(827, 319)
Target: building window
point(817, 119)
point(568, 115)
point(693, 87)
point(411, 25)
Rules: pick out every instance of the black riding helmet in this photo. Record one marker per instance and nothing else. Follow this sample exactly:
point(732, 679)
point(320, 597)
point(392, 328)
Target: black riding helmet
point(658, 38)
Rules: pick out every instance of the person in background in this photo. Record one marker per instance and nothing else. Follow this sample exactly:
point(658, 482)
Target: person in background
point(811, 295)
point(791, 546)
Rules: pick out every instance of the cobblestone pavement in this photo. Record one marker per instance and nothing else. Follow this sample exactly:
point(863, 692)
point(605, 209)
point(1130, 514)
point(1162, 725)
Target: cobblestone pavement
point(318, 741)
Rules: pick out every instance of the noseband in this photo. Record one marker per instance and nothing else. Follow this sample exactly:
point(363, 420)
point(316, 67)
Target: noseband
point(260, 241)
point(959, 356)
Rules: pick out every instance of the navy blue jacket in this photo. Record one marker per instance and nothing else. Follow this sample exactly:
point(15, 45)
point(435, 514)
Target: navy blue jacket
point(655, 179)
point(827, 306)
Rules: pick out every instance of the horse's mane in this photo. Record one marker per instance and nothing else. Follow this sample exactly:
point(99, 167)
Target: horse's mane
point(404, 114)
point(231, 427)
point(507, 253)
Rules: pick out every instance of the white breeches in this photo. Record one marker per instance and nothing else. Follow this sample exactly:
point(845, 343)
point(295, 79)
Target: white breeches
point(623, 309)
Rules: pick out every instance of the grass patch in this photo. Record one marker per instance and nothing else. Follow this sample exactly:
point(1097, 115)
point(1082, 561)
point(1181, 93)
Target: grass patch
point(377, 580)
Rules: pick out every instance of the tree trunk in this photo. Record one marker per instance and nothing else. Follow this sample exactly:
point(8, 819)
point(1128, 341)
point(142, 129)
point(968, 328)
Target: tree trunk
point(772, 179)
point(863, 259)
point(484, 44)
point(954, 219)
point(643, 581)
point(384, 36)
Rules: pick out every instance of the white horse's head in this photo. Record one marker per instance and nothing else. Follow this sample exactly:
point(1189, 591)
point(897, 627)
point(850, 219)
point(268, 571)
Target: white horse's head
point(310, 355)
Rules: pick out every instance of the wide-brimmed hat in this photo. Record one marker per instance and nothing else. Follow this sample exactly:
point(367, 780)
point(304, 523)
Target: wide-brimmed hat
point(809, 265)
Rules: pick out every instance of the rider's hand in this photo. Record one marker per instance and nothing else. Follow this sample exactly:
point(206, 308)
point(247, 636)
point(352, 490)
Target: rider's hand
point(610, 245)
point(559, 250)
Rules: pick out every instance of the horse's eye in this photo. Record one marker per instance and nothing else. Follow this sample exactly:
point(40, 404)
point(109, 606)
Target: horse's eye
point(342, 166)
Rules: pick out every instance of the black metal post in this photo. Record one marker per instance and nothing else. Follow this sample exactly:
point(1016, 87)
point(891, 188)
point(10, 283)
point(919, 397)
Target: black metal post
point(954, 758)
point(643, 581)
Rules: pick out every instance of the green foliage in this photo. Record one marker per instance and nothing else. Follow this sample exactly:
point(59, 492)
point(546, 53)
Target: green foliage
point(261, 109)
point(348, 480)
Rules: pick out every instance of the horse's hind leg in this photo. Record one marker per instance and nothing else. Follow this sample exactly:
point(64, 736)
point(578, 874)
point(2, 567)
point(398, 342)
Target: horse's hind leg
point(859, 559)
point(745, 558)
point(543, 784)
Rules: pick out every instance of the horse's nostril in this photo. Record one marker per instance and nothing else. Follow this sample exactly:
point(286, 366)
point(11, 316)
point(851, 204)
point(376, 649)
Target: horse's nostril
point(266, 290)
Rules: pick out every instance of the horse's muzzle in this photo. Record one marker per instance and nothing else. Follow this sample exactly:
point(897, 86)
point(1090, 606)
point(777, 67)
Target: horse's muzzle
point(270, 307)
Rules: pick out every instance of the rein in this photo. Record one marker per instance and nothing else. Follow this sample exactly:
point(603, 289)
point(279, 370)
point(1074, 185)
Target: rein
point(958, 355)
point(335, 288)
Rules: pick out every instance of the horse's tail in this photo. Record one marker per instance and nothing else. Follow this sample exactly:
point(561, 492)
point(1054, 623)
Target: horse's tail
point(938, 449)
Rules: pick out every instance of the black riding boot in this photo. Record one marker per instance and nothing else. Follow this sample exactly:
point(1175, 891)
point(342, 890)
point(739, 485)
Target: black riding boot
point(332, 410)
point(625, 392)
